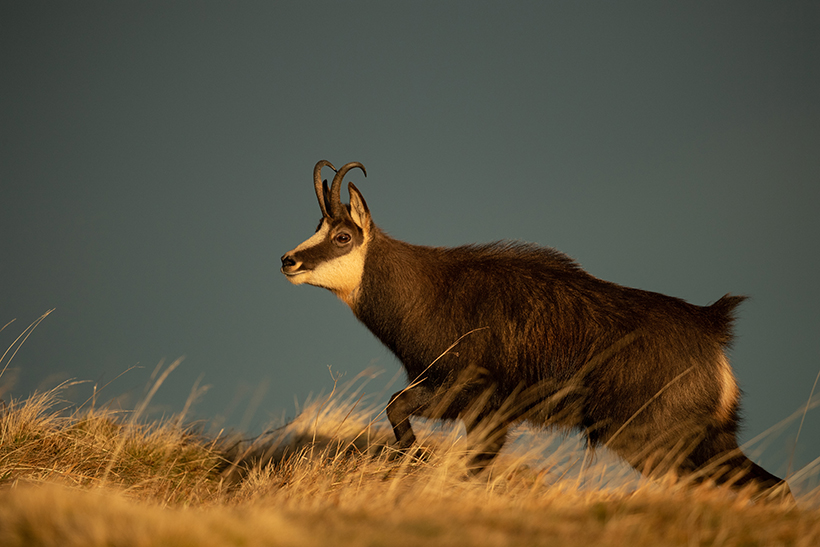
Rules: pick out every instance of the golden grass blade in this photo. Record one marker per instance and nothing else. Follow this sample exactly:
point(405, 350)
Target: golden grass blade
point(802, 419)
point(24, 335)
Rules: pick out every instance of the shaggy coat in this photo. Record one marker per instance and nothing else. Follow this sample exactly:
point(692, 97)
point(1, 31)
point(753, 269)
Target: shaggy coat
point(499, 333)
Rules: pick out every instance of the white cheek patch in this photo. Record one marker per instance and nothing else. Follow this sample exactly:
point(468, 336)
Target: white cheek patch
point(342, 275)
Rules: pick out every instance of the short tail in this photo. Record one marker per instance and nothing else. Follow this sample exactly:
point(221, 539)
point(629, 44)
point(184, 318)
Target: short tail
point(721, 316)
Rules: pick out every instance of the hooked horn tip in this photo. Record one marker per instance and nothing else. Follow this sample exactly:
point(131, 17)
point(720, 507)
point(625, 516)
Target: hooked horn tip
point(324, 163)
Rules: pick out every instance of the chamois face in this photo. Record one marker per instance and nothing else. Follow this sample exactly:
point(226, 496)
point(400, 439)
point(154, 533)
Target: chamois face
point(334, 256)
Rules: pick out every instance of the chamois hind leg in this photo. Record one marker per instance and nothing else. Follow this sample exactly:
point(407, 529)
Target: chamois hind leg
point(491, 434)
point(719, 458)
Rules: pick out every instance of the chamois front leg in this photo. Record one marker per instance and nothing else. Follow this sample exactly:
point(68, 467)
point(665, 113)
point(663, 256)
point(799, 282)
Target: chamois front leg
point(402, 405)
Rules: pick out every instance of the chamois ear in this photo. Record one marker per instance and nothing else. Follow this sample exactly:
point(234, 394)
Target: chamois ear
point(326, 195)
point(358, 208)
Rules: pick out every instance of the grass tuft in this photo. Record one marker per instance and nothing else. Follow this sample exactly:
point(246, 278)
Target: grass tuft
point(96, 477)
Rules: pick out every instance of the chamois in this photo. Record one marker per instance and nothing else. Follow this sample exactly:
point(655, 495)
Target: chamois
point(539, 339)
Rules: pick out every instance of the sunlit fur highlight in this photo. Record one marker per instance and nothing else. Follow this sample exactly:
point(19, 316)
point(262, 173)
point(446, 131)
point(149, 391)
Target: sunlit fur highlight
point(306, 276)
point(729, 393)
point(342, 275)
point(536, 338)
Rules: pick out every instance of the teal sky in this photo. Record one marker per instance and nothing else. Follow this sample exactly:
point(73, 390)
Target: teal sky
point(156, 160)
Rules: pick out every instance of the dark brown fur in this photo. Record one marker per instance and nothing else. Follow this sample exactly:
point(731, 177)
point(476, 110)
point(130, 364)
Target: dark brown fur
point(635, 370)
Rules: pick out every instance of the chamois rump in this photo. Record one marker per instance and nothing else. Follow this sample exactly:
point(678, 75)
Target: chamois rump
point(538, 339)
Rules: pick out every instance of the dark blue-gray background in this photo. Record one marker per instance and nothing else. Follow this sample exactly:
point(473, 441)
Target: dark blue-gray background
point(156, 162)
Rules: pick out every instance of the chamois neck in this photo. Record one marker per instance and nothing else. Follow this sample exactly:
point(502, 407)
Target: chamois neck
point(397, 276)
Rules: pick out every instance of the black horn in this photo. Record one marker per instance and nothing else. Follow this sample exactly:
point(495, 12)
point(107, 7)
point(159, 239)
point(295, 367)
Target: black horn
point(336, 186)
point(317, 184)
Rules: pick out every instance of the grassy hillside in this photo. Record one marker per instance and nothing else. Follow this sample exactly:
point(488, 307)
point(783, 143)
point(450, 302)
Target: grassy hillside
point(93, 477)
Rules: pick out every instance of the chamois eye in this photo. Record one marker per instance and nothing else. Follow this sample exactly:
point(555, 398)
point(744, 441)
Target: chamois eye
point(342, 238)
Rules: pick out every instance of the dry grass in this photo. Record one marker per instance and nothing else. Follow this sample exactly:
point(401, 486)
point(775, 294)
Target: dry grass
point(89, 476)
point(93, 477)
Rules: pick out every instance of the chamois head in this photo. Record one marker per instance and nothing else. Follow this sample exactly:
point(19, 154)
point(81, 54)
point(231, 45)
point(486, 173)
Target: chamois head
point(333, 257)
